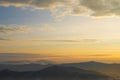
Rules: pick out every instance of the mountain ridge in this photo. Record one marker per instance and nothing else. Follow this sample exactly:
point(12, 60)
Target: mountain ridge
point(55, 72)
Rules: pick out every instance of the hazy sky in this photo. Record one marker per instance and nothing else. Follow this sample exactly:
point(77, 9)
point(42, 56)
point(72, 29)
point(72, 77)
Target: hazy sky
point(60, 30)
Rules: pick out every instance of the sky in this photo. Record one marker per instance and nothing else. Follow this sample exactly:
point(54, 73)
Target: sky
point(60, 30)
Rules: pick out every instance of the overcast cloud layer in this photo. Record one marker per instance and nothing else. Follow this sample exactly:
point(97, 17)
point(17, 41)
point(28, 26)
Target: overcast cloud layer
point(96, 8)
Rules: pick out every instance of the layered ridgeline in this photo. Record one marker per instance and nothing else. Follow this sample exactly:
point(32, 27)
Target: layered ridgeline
point(26, 65)
point(54, 73)
point(112, 70)
point(104, 68)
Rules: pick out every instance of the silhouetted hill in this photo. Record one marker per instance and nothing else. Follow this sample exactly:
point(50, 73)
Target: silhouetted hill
point(70, 72)
point(25, 65)
point(108, 69)
point(104, 68)
point(53, 73)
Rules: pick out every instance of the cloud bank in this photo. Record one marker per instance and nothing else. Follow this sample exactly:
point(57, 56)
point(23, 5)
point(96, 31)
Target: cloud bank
point(95, 8)
point(71, 41)
point(5, 39)
point(7, 29)
point(26, 57)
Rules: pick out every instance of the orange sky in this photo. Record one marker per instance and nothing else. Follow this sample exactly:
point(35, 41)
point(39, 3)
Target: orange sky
point(70, 30)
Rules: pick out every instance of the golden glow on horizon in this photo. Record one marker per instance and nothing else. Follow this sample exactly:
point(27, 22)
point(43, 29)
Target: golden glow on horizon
point(68, 51)
point(76, 37)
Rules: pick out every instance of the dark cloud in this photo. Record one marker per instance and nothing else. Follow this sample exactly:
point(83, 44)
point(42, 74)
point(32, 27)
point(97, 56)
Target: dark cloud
point(102, 7)
point(17, 3)
point(44, 4)
point(70, 7)
point(34, 3)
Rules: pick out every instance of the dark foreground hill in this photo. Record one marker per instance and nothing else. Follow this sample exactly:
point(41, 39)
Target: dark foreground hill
point(53, 73)
point(104, 68)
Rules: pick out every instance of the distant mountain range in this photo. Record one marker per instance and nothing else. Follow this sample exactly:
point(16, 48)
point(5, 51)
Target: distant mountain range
point(54, 73)
point(25, 65)
point(112, 70)
point(108, 69)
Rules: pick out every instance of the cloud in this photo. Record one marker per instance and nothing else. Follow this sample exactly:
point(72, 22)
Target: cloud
point(7, 29)
point(26, 56)
point(40, 4)
point(16, 56)
point(100, 55)
point(102, 7)
point(17, 3)
point(96, 8)
point(5, 39)
point(42, 62)
point(71, 41)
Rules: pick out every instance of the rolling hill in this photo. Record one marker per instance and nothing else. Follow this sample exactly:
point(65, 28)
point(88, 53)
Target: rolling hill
point(53, 73)
point(107, 69)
